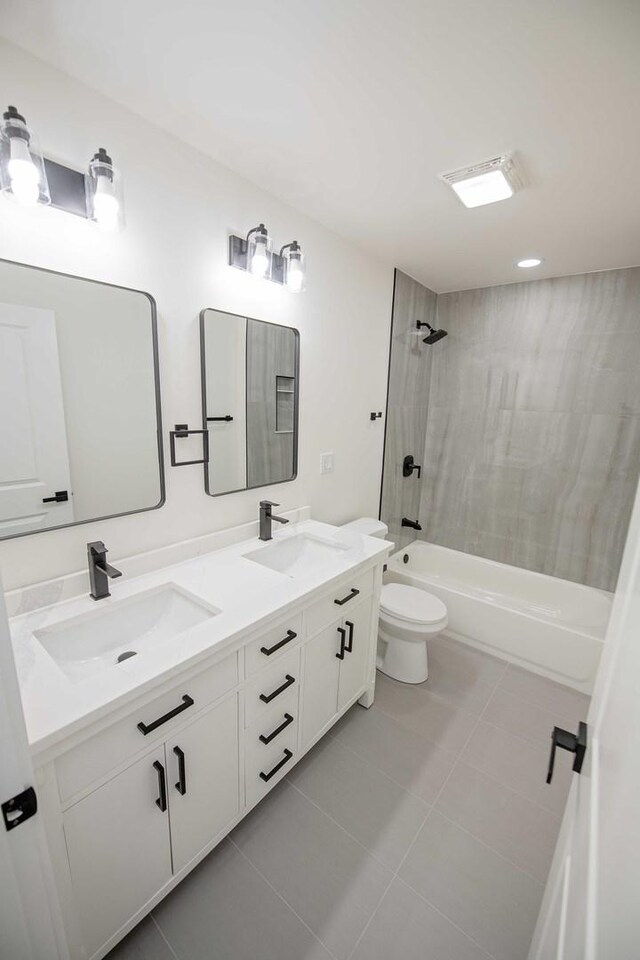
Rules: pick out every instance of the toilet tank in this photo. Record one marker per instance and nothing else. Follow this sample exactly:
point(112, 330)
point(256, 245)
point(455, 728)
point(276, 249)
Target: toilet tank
point(368, 526)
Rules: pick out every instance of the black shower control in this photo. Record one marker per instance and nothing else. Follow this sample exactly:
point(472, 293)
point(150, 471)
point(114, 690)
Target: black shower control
point(408, 466)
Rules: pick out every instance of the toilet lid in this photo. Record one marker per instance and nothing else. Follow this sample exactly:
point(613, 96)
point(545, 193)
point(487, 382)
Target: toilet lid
point(410, 603)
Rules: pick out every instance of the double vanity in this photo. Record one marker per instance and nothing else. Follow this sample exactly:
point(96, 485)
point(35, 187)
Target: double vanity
point(159, 716)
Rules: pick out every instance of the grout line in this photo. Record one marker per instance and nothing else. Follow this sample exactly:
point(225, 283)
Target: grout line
point(160, 931)
point(283, 899)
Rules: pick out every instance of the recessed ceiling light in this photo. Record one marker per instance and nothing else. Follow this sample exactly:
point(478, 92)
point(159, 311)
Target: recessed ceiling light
point(529, 262)
point(487, 182)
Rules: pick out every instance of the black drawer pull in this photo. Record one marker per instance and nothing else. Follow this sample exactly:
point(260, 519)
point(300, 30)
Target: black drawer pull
point(161, 802)
point(181, 785)
point(349, 647)
point(343, 635)
point(267, 776)
point(187, 702)
point(274, 733)
point(353, 593)
point(268, 697)
point(291, 635)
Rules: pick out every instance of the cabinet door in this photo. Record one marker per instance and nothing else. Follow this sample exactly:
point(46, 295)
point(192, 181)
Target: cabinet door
point(321, 680)
point(202, 772)
point(353, 670)
point(118, 846)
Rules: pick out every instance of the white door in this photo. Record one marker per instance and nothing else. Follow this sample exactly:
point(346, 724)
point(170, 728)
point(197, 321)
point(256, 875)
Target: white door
point(353, 670)
point(30, 921)
point(202, 767)
point(591, 907)
point(118, 845)
point(321, 680)
point(34, 461)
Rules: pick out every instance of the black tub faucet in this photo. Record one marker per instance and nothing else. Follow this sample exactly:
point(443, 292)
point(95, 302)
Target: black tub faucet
point(266, 516)
point(411, 523)
point(100, 570)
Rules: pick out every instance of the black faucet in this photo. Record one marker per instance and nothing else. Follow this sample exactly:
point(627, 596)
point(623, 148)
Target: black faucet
point(411, 523)
point(100, 570)
point(266, 517)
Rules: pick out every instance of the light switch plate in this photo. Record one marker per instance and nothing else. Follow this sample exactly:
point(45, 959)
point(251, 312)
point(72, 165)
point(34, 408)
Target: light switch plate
point(326, 463)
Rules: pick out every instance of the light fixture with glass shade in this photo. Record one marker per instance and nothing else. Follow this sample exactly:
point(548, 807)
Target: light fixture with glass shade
point(293, 266)
point(103, 196)
point(22, 167)
point(259, 247)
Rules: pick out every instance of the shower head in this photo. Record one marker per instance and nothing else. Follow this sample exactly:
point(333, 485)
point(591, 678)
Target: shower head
point(434, 336)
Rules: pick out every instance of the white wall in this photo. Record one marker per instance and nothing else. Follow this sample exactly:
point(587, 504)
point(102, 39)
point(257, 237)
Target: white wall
point(180, 208)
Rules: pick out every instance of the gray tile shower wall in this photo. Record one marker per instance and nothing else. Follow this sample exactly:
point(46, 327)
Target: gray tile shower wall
point(409, 376)
point(532, 414)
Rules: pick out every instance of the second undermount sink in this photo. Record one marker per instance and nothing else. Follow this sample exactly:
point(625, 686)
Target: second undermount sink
point(297, 556)
point(92, 642)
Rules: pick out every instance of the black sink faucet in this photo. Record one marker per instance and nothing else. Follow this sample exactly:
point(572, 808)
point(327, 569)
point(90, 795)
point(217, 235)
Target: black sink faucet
point(100, 570)
point(266, 516)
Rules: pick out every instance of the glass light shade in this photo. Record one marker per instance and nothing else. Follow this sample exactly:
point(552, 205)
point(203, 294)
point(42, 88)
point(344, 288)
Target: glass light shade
point(104, 200)
point(295, 272)
point(259, 247)
point(22, 170)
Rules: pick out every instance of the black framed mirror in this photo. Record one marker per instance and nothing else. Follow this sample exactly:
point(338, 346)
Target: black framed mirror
point(250, 389)
point(80, 418)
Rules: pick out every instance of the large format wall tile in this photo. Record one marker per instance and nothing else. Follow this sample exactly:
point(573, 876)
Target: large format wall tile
point(532, 449)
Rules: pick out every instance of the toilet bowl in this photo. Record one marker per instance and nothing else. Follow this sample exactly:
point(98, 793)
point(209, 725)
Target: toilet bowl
point(409, 617)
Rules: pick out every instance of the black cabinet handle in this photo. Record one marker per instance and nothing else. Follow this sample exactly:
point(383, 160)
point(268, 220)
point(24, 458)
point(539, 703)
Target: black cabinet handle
point(353, 593)
point(60, 496)
point(226, 419)
point(274, 733)
point(161, 802)
point(146, 728)
point(267, 776)
point(343, 636)
point(573, 742)
point(349, 647)
point(291, 635)
point(268, 697)
point(181, 785)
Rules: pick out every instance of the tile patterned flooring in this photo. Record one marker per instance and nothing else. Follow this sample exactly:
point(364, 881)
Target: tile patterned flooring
point(421, 828)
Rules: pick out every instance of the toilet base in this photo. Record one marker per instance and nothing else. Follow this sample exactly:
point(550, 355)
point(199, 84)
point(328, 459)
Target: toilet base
point(404, 660)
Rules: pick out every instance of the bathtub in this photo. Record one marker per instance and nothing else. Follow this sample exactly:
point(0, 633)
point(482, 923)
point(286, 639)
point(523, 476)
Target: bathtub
point(554, 627)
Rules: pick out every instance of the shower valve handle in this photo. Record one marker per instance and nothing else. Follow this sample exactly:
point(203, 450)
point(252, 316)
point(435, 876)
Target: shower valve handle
point(408, 466)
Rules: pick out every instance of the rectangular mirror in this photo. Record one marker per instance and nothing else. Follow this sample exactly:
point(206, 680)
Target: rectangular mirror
point(80, 428)
point(250, 401)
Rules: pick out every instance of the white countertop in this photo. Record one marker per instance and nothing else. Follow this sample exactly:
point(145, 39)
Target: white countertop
point(247, 594)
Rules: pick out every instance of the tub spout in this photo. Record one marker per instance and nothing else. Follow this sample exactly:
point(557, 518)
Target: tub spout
point(411, 523)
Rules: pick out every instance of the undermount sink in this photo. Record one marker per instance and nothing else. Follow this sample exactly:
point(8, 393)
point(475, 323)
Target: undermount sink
point(297, 556)
point(92, 642)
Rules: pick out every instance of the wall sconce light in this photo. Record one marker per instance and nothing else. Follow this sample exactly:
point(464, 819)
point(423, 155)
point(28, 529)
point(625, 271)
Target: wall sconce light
point(31, 178)
point(255, 254)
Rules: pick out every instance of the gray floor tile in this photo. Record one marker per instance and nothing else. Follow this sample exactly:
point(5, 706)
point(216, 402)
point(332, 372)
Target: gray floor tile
point(523, 718)
point(520, 765)
point(416, 762)
point(491, 900)
point(553, 697)
point(407, 927)
point(463, 676)
point(363, 800)
point(520, 830)
point(424, 713)
point(331, 881)
point(143, 943)
point(224, 910)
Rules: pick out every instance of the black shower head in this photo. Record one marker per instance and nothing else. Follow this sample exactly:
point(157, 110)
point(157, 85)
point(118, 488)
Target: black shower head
point(434, 336)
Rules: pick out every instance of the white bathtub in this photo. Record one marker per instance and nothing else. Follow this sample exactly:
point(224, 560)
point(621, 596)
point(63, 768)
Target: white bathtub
point(553, 627)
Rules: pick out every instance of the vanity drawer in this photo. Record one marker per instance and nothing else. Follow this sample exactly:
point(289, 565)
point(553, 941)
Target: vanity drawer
point(325, 611)
point(94, 758)
point(272, 687)
point(267, 763)
point(273, 644)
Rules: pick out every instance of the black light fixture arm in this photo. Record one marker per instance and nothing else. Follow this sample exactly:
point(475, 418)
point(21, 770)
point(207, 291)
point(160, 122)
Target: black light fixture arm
point(294, 246)
point(261, 229)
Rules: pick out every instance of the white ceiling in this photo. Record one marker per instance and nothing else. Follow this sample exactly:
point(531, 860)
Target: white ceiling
point(349, 109)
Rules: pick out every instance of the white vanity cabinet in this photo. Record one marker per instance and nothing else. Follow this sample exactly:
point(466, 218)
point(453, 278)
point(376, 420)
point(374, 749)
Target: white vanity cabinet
point(133, 803)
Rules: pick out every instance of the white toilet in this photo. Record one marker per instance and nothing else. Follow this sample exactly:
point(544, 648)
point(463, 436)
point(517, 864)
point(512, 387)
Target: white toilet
point(408, 618)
